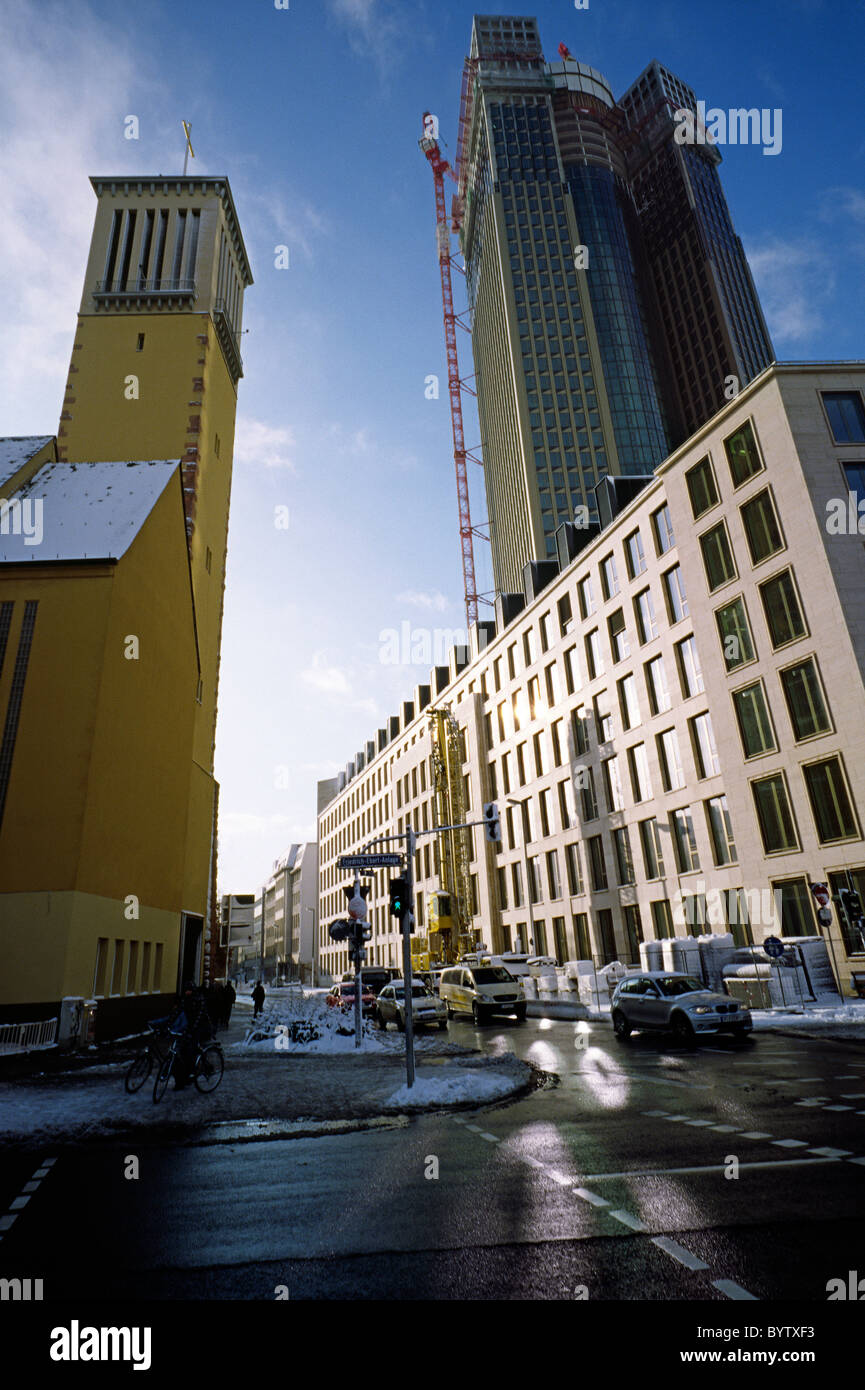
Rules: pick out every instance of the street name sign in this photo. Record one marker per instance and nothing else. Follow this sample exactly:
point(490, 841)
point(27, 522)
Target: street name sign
point(369, 861)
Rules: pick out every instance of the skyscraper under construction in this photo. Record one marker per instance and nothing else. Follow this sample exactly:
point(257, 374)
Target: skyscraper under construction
point(612, 305)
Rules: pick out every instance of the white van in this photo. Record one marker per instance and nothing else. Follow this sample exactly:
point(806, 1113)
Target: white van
point(482, 990)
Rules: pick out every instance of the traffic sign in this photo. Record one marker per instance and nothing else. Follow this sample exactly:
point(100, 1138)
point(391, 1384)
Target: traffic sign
point(821, 893)
point(369, 861)
point(774, 947)
point(824, 916)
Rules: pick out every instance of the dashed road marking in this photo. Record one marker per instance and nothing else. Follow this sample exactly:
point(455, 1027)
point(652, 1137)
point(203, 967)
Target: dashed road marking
point(559, 1177)
point(31, 1186)
point(832, 1153)
point(18, 1204)
point(837, 1107)
point(592, 1197)
point(854, 1095)
point(756, 1134)
point(476, 1128)
point(678, 1252)
point(493, 1138)
point(790, 1143)
point(657, 1114)
point(857, 1160)
point(846, 1078)
point(627, 1219)
point(726, 1129)
point(6, 1222)
point(812, 1104)
point(699, 1124)
point(733, 1290)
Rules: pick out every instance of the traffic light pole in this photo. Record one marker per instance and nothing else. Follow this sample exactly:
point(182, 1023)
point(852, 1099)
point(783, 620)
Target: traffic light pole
point(358, 970)
point(405, 925)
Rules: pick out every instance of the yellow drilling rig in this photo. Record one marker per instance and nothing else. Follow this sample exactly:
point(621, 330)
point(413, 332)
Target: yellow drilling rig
point(449, 908)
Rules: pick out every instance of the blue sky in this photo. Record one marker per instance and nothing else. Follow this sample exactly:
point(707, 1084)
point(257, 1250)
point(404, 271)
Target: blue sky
point(314, 114)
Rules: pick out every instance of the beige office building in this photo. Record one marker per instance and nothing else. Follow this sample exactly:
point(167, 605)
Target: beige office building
point(672, 723)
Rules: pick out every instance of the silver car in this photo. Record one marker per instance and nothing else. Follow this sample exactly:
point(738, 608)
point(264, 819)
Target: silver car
point(670, 1001)
point(425, 1007)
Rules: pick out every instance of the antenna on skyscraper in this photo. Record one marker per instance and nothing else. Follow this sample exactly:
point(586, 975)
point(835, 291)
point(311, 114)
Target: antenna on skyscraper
point(189, 150)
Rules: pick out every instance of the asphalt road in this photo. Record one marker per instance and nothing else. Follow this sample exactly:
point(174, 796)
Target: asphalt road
point(615, 1180)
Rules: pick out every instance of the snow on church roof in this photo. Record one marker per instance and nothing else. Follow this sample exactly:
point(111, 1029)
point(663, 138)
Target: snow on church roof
point(15, 450)
point(88, 511)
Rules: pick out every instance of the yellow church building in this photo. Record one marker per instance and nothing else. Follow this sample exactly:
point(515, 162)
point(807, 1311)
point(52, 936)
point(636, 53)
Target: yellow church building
point(112, 571)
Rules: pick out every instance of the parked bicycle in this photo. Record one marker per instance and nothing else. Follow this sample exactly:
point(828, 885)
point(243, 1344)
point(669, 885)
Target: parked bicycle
point(142, 1066)
point(207, 1068)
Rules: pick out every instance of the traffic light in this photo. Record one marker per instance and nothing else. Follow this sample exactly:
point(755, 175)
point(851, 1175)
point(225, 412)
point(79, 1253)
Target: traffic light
point(398, 897)
point(340, 930)
point(852, 904)
point(492, 824)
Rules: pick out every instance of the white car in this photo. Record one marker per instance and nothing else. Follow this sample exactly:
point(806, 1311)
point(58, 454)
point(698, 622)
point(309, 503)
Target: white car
point(426, 1009)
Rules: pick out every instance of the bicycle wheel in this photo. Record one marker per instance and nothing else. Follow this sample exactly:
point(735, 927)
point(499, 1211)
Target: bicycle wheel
point(162, 1077)
point(139, 1071)
point(209, 1068)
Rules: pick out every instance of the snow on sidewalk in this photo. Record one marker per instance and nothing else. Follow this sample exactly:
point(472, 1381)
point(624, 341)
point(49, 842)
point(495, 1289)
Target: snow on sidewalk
point(460, 1086)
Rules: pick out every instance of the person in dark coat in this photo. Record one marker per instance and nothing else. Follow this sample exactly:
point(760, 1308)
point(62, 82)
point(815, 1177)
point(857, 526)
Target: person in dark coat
point(193, 1022)
point(258, 999)
point(229, 994)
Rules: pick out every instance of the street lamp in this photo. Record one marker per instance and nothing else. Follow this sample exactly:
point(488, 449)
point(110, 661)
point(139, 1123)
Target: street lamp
point(513, 801)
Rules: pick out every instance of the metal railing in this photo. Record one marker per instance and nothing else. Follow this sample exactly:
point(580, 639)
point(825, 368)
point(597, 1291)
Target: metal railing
point(134, 286)
point(227, 337)
point(27, 1037)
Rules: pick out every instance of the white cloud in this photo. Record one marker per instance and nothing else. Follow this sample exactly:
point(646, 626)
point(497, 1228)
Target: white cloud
point(66, 83)
point(436, 602)
point(795, 281)
point(260, 445)
point(330, 680)
point(373, 28)
point(335, 682)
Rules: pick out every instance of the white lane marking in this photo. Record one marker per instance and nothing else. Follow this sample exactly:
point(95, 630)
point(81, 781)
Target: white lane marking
point(48, 1162)
point(627, 1219)
point(593, 1198)
point(726, 1129)
point(854, 1095)
point(458, 1119)
point(42, 1172)
point(559, 1177)
point(837, 1107)
point(678, 1252)
point(733, 1290)
point(846, 1078)
point(19, 1203)
point(6, 1222)
point(31, 1186)
point(714, 1168)
point(857, 1160)
point(810, 1104)
point(493, 1138)
point(698, 1124)
point(677, 1119)
point(757, 1134)
point(535, 1162)
point(832, 1153)
point(790, 1143)
point(657, 1114)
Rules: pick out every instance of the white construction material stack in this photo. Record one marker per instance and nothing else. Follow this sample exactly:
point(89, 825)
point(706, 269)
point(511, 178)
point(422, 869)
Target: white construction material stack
point(651, 955)
point(685, 954)
point(530, 987)
point(717, 949)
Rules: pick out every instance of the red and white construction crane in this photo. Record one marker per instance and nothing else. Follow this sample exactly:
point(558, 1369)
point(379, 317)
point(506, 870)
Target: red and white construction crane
point(440, 167)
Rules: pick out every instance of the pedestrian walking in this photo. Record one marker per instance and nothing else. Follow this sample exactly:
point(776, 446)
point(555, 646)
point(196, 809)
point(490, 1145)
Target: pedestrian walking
point(229, 994)
point(258, 999)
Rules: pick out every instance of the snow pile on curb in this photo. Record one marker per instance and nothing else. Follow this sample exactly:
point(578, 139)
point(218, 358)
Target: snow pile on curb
point(459, 1085)
point(843, 1020)
point(319, 1024)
